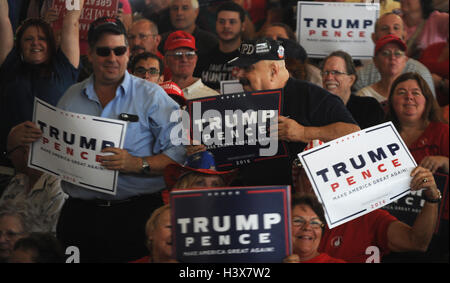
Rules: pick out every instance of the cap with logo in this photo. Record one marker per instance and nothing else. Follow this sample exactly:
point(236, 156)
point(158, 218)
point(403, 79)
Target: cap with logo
point(174, 91)
point(390, 38)
point(102, 25)
point(201, 162)
point(253, 51)
point(179, 39)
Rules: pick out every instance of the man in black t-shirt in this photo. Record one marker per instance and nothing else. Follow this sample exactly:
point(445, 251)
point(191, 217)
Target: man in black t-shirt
point(213, 68)
point(338, 77)
point(309, 112)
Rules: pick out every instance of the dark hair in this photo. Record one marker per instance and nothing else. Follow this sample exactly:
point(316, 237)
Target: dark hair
point(145, 56)
point(427, 8)
point(432, 110)
point(288, 29)
point(45, 247)
point(311, 201)
point(46, 28)
point(349, 65)
point(231, 6)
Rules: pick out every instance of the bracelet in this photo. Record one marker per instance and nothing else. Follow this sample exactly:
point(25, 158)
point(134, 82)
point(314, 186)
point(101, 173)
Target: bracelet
point(436, 200)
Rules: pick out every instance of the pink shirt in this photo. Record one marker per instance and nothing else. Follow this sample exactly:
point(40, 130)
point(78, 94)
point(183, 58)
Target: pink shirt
point(435, 30)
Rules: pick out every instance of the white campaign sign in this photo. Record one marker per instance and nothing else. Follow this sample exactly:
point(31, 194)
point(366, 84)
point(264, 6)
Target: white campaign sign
point(329, 26)
point(71, 143)
point(360, 172)
point(231, 87)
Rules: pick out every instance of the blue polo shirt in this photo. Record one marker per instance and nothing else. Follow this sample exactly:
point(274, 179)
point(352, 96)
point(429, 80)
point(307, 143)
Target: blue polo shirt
point(149, 136)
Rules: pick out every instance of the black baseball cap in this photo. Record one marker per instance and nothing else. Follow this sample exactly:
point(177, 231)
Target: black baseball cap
point(253, 51)
point(102, 25)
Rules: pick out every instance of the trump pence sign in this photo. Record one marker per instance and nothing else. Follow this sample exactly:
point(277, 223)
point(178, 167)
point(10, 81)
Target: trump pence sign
point(359, 173)
point(239, 224)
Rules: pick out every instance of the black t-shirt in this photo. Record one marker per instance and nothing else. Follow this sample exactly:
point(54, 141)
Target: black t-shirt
point(367, 111)
point(213, 68)
point(309, 105)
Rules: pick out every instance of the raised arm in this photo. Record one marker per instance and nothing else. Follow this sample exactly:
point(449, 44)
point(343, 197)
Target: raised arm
point(70, 44)
point(402, 237)
point(6, 32)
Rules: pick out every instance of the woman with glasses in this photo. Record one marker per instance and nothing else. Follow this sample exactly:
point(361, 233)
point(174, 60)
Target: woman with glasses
point(31, 65)
point(308, 222)
point(390, 60)
point(416, 115)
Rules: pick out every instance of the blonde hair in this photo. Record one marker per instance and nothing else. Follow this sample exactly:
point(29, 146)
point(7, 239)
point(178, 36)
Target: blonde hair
point(187, 181)
point(152, 223)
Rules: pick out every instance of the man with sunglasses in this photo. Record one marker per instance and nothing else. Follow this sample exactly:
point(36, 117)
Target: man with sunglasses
point(148, 66)
point(309, 111)
point(180, 54)
point(108, 228)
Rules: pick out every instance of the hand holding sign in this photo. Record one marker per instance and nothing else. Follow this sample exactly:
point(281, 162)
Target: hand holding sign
point(121, 160)
point(423, 179)
point(290, 130)
point(23, 134)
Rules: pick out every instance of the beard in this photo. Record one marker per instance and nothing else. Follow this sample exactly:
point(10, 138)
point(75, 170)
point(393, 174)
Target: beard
point(235, 38)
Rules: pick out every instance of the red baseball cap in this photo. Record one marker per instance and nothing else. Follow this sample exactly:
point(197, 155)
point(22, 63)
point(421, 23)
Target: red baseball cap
point(178, 39)
point(174, 91)
point(390, 38)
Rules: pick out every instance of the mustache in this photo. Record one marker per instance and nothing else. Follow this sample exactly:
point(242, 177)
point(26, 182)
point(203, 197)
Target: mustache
point(137, 47)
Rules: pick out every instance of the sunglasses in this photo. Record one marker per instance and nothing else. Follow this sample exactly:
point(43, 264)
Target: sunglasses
point(141, 71)
point(106, 51)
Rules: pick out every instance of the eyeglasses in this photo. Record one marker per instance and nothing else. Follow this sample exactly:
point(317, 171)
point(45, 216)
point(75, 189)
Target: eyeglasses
point(106, 51)
point(388, 53)
point(10, 234)
point(333, 72)
point(300, 222)
point(141, 36)
point(179, 55)
point(141, 71)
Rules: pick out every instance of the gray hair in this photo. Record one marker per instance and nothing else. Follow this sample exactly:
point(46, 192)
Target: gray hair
point(194, 3)
point(20, 210)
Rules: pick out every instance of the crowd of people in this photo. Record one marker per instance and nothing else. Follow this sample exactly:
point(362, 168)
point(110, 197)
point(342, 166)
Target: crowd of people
point(150, 59)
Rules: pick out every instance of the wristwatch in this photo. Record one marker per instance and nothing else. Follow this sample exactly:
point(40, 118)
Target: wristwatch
point(145, 167)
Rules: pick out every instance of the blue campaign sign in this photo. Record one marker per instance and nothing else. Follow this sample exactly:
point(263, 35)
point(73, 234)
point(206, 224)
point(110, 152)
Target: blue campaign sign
point(239, 224)
point(235, 128)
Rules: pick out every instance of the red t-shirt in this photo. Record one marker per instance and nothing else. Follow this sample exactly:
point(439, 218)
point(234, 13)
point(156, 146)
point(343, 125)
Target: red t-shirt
point(350, 240)
point(433, 141)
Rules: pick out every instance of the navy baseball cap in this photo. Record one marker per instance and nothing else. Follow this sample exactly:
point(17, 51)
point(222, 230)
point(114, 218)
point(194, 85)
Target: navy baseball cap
point(102, 25)
point(253, 51)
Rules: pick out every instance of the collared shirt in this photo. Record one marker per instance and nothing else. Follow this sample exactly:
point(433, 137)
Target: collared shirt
point(44, 200)
point(147, 137)
point(369, 74)
point(198, 90)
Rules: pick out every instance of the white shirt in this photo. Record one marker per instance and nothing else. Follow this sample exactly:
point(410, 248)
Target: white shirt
point(45, 199)
point(198, 90)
